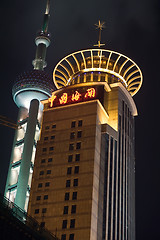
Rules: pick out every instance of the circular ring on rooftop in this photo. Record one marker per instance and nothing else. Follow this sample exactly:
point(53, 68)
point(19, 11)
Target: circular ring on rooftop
point(98, 60)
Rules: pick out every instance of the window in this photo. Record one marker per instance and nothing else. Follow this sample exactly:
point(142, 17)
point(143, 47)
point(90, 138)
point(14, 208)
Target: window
point(72, 223)
point(68, 183)
point(65, 210)
point(71, 236)
point(66, 198)
point(71, 146)
point(74, 196)
point(44, 210)
point(44, 149)
point(77, 157)
point(69, 170)
point(73, 210)
point(42, 224)
point(63, 237)
point(50, 159)
point(36, 211)
point(52, 137)
point(75, 182)
point(47, 184)
point(38, 198)
point(79, 134)
point(45, 138)
point(39, 185)
point(45, 197)
point(51, 148)
point(43, 160)
point(80, 123)
point(64, 224)
point(72, 135)
point(41, 173)
point(53, 126)
point(78, 145)
point(48, 171)
point(76, 170)
point(73, 124)
point(47, 127)
point(70, 158)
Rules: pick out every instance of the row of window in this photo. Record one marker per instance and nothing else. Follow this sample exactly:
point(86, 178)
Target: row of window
point(69, 170)
point(44, 210)
point(42, 172)
point(40, 185)
point(52, 127)
point(44, 160)
point(72, 223)
point(77, 157)
point(67, 196)
point(45, 197)
point(68, 183)
point(73, 125)
point(46, 138)
point(70, 158)
point(75, 182)
point(73, 135)
point(71, 146)
point(45, 149)
point(66, 209)
point(71, 236)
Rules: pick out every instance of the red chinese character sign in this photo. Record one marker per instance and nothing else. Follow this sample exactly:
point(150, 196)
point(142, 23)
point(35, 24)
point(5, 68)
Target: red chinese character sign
point(63, 98)
point(91, 92)
point(72, 97)
point(76, 96)
point(51, 100)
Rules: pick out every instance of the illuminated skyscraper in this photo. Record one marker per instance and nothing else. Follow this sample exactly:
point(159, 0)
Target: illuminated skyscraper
point(84, 176)
point(29, 88)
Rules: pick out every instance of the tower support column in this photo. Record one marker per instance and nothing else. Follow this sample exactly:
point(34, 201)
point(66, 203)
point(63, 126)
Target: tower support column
point(22, 114)
point(27, 154)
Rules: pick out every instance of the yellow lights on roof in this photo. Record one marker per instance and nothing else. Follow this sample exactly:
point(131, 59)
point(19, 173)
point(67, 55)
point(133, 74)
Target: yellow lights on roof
point(98, 60)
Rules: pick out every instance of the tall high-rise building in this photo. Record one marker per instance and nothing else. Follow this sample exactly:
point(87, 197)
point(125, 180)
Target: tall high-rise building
point(84, 176)
point(29, 88)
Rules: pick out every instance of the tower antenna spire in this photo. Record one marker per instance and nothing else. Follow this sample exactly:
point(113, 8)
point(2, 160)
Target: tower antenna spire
point(47, 7)
point(42, 41)
point(100, 26)
point(46, 18)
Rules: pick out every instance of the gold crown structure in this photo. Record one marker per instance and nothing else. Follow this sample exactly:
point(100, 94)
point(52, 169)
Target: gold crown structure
point(98, 65)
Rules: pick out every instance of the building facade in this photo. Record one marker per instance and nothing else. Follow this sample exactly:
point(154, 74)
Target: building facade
point(84, 176)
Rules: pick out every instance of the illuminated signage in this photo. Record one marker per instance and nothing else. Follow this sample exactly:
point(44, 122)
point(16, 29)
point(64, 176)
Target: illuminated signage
point(72, 97)
point(64, 98)
point(51, 100)
point(91, 92)
point(76, 96)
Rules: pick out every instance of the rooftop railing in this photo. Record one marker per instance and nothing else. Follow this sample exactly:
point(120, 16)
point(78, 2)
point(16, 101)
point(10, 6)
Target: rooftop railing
point(26, 219)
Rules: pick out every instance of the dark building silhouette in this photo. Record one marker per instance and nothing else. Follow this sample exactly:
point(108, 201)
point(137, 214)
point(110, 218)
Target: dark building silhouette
point(16, 224)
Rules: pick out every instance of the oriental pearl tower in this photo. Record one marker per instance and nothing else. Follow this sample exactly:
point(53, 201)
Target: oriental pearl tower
point(28, 90)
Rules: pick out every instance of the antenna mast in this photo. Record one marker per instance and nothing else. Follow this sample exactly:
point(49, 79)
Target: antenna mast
point(100, 26)
point(42, 41)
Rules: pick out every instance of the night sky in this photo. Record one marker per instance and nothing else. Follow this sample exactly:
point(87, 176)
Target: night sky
point(132, 28)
